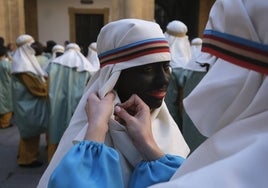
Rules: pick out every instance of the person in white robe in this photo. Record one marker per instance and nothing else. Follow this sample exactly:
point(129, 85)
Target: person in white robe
point(68, 76)
point(92, 56)
point(230, 104)
point(6, 102)
point(144, 35)
point(176, 34)
point(30, 94)
point(57, 51)
point(196, 45)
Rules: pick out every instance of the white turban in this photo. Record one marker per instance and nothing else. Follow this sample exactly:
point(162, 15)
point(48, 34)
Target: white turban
point(57, 49)
point(176, 34)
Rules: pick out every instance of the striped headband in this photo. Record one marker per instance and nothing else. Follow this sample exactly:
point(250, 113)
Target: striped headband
point(134, 50)
point(236, 50)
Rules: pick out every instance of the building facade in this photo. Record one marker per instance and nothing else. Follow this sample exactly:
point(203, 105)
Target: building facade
point(80, 20)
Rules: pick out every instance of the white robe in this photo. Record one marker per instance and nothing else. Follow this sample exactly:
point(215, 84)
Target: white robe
point(230, 106)
point(165, 130)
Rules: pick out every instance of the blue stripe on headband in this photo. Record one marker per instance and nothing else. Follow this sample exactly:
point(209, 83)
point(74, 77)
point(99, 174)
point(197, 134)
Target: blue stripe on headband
point(236, 39)
point(131, 45)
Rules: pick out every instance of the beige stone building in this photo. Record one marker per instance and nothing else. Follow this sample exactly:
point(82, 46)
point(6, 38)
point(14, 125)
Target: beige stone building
point(80, 20)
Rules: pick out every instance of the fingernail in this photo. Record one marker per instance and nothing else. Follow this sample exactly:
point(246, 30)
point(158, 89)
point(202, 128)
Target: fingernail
point(117, 108)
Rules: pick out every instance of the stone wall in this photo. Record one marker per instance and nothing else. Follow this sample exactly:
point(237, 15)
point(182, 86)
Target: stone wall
point(12, 22)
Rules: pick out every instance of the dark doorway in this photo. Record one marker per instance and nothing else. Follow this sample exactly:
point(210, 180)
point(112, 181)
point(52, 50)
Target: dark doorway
point(87, 28)
point(86, 25)
point(31, 22)
point(186, 11)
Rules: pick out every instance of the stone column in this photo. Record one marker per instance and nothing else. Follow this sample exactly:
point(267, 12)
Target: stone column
point(142, 9)
point(204, 9)
point(11, 19)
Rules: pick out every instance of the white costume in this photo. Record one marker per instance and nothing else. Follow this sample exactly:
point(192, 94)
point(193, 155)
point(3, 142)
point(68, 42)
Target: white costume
point(68, 77)
point(30, 110)
point(179, 43)
point(230, 104)
point(92, 56)
point(196, 45)
point(149, 45)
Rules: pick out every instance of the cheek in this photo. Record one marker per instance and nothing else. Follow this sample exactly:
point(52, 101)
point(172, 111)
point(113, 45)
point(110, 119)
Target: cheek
point(139, 85)
point(143, 83)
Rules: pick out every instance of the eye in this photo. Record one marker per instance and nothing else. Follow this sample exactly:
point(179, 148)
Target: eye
point(167, 67)
point(147, 68)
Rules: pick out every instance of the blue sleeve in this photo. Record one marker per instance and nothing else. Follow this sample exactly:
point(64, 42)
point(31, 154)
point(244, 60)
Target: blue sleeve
point(152, 172)
point(88, 164)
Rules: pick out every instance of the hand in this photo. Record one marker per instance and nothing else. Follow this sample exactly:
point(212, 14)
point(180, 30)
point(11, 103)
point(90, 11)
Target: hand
point(99, 112)
point(136, 116)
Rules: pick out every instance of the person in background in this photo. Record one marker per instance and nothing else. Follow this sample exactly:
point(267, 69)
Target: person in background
point(68, 76)
point(57, 51)
point(6, 104)
point(30, 94)
point(193, 73)
point(39, 49)
point(66, 43)
point(48, 50)
point(196, 45)
point(11, 47)
point(135, 73)
point(92, 56)
point(176, 34)
point(230, 104)
point(2, 41)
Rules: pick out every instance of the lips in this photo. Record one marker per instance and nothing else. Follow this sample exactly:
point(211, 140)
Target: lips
point(157, 94)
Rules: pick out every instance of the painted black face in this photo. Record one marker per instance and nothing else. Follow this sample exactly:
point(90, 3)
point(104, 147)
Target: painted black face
point(149, 82)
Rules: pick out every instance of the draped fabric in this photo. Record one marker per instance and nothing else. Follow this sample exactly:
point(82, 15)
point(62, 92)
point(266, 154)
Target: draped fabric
point(6, 104)
point(66, 87)
point(26, 54)
point(230, 106)
point(30, 112)
point(99, 166)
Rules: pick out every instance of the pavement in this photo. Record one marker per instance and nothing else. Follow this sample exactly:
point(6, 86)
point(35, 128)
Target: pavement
point(12, 175)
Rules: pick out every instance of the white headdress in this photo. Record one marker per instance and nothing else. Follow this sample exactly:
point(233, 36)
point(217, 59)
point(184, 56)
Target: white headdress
point(196, 45)
point(179, 43)
point(57, 49)
point(24, 59)
point(73, 58)
point(92, 56)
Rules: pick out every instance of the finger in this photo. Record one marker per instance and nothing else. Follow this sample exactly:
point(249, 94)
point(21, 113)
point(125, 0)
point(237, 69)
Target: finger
point(91, 99)
point(131, 102)
point(93, 96)
point(122, 113)
point(110, 96)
